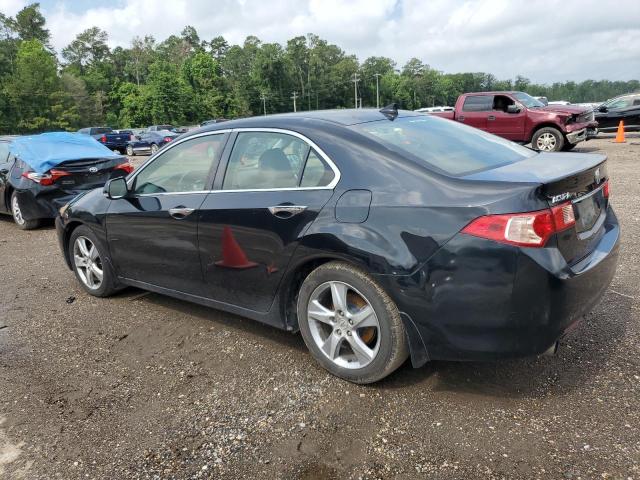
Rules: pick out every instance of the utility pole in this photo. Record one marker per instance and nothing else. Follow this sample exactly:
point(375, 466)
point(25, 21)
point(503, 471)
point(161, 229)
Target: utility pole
point(377, 75)
point(294, 96)
point(355, 81)
point(264, 103)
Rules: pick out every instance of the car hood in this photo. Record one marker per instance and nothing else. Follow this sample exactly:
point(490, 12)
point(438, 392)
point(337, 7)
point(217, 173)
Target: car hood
point(564, 109)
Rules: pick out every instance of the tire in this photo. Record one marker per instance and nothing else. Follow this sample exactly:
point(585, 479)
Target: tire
point(154, 148)
point(86, 274)
point(569, 146)
point(548, 139)
point(18, 219)
point(335, 330)
point(130, 151)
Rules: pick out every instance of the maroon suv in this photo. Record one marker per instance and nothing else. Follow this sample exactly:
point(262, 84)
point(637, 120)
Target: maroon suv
point(519, 117)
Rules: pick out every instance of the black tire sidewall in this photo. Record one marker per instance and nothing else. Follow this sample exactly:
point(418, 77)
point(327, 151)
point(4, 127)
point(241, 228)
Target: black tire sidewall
point(560, 141)
point(379, 367)
point(108, 280)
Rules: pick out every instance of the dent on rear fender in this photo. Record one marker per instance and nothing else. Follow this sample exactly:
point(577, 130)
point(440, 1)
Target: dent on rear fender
point(392, 241)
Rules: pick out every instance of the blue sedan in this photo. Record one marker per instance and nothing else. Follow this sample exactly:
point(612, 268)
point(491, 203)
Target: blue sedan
point(149, 142)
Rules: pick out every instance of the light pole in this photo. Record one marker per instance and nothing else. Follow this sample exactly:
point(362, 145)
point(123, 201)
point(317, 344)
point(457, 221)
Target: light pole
point(294, 96)
point(377, 75)
point(264, 103)
point(355, 80)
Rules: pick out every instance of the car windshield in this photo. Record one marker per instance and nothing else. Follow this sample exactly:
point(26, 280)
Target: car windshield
point(444, 145)
point(527, 100)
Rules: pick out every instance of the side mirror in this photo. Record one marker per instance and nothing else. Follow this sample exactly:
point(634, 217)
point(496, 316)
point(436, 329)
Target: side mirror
point(603, 109)
point(513, 109)
point(116, 188)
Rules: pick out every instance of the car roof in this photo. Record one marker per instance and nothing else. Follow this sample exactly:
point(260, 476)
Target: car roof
point(344, 117)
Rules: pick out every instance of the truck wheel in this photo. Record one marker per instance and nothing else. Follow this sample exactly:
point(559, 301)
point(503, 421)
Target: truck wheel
point(19, 220)
point(154, 148)
point(548, 139)
point(130, 151)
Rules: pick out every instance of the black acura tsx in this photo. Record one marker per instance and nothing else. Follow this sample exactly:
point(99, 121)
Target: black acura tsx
point(377, 234)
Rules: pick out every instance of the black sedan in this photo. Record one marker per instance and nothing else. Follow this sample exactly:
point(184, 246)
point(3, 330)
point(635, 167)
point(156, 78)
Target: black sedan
point(149, 142)
point(625, 108)
point(377, 235)
point(77, 164)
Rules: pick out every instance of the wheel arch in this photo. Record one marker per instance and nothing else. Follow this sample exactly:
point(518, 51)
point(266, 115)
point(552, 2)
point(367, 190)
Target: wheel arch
point(68, 231)
point(546, 125)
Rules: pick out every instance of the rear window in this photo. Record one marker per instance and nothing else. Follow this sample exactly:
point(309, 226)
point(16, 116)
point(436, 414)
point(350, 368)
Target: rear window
point(479, 103)
point(4, 151)
point(101, 130)
point(444, 145)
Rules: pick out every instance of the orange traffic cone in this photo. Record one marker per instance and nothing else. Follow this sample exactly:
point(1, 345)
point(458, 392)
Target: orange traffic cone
point(232, 254)
point(620, 134)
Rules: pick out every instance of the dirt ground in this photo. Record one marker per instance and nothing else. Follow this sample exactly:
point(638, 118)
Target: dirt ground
point(144, 386)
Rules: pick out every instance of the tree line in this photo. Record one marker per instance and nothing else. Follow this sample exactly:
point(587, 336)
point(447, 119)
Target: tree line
point(185, 79)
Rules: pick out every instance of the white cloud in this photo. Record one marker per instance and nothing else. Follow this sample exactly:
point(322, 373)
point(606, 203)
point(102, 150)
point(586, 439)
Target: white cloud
point(551, 40)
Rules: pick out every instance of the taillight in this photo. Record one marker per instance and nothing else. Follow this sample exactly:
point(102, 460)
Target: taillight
point(127, 167)
point(605, 189)
point(132, 138)
point(529, 229)
point(45, 179)
point(167, 139)
point(103, 139)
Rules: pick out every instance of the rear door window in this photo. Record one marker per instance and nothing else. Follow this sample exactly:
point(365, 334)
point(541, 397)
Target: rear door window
point(264, 161)
point(316, 172)
point(478, 103)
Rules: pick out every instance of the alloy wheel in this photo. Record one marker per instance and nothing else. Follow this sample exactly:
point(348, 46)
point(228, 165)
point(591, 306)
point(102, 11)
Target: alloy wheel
point(129, 150)
point(343, 325)
point(546, 142)
point(17, 213)
point(154, 148)
point(88, 263)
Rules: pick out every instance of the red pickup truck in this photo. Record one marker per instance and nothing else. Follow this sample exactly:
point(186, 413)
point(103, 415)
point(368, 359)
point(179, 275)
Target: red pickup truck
point(519, 117)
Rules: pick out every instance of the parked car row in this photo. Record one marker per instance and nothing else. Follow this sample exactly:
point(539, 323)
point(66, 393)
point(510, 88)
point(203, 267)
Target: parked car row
point(378, 235)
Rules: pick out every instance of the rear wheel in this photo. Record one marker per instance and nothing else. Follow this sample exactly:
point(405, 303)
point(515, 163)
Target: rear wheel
point(90, 263)
point(130, 151)
point(18, 217)
point(154, 148)
point(350, 325)
point(548, 139)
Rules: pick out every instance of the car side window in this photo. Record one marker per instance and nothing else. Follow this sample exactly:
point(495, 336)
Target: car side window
point(265, 160)
point(316, 172)
point(185, 167)
point(478, 103)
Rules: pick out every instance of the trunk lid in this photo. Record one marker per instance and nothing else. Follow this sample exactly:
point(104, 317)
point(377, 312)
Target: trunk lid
point(87, 174)
point(560, 178)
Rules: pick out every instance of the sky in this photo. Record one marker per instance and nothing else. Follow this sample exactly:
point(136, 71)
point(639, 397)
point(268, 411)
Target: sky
point(544, 40)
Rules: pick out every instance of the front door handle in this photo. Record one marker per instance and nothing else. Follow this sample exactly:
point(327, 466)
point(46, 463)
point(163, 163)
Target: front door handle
point(491, 117)
point(286, 211)
point(180, 212)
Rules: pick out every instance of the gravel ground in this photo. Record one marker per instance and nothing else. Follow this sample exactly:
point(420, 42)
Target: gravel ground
point(144, 386)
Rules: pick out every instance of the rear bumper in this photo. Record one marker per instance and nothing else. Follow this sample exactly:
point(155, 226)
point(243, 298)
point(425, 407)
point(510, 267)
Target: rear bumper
point(43, 204)
point(479, 300)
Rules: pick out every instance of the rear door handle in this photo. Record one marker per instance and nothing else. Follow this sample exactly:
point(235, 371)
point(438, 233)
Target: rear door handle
point(491, 117)
point(461, 118)
point(286, 211)
point(180, 212)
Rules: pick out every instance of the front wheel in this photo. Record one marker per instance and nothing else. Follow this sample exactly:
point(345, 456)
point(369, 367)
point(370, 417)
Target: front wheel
point(548, 139)
point(350, 325)
point(18, 217)
point(90, 263)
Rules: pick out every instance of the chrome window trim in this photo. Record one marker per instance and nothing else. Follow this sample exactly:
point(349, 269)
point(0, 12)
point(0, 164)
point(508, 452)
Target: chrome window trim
point(330, 186)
